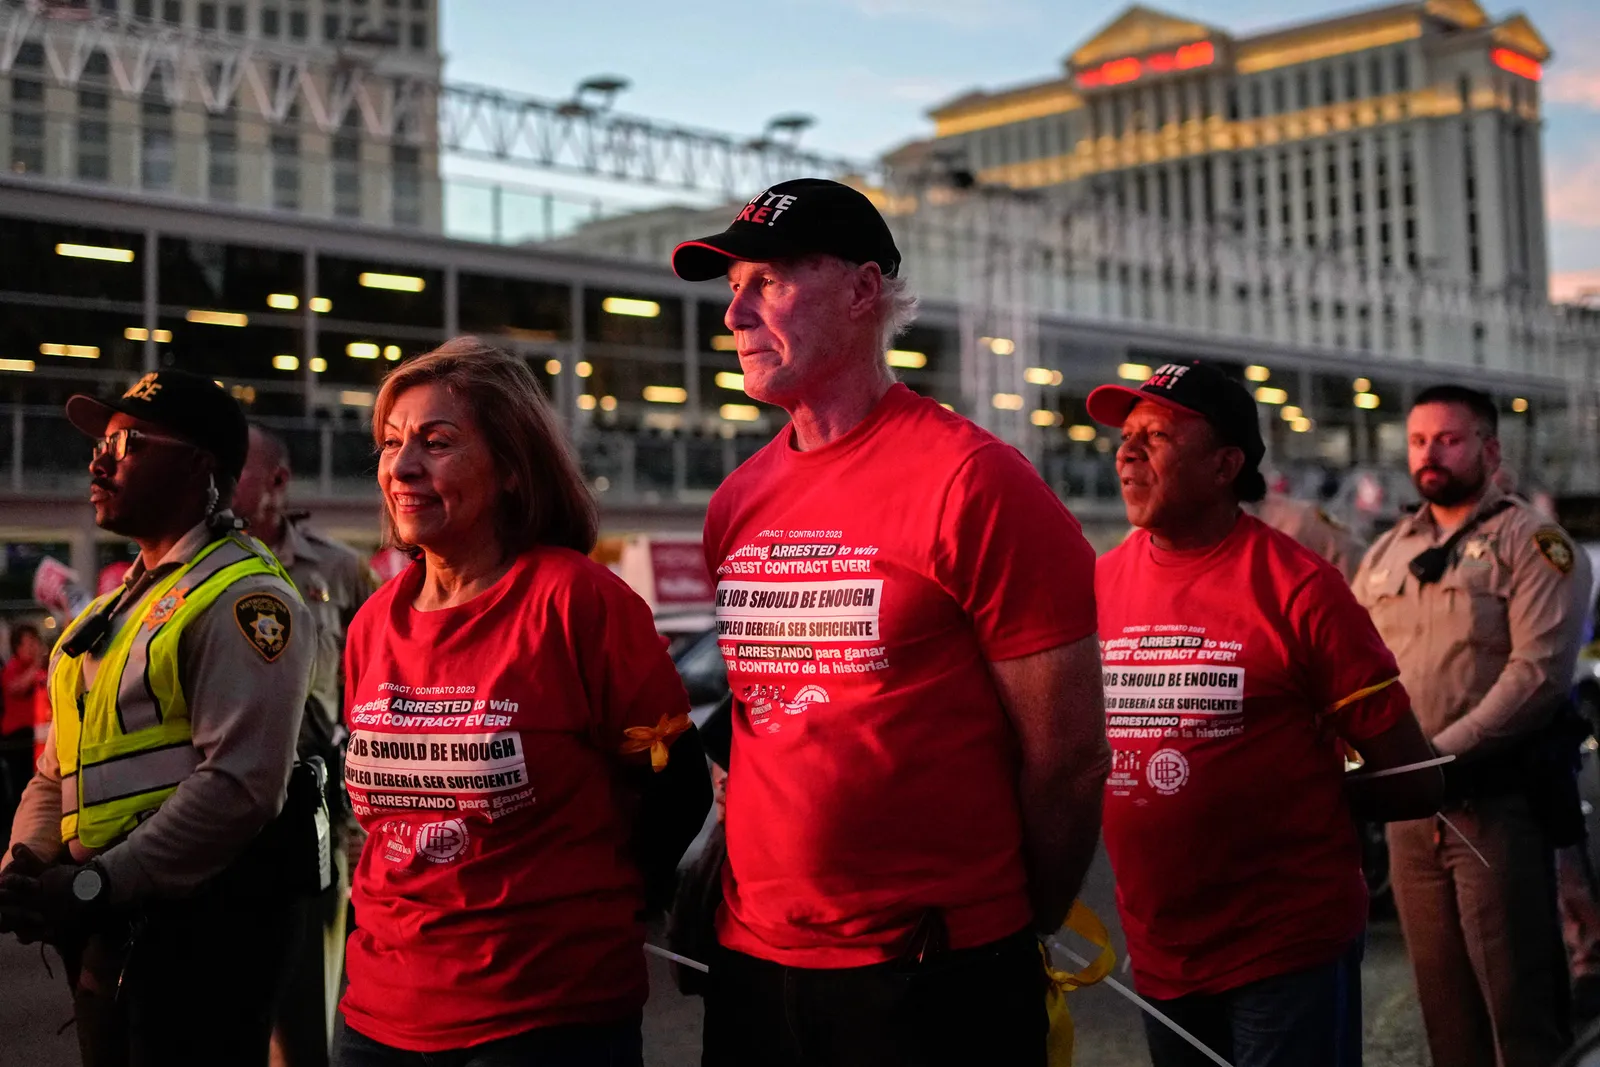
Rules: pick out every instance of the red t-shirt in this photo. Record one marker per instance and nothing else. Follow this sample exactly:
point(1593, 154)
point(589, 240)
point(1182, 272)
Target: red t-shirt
point(861, 589)
point(494, 895)
point(1234, 850)
point(16, 715)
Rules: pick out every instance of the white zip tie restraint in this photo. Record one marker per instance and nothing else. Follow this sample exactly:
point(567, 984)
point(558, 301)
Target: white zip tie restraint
point(1367, 776)
point(1465, 841)
point(656, 950)
point(1144, 1005)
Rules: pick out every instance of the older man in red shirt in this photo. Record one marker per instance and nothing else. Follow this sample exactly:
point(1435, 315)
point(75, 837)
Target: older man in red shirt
point(907, 614)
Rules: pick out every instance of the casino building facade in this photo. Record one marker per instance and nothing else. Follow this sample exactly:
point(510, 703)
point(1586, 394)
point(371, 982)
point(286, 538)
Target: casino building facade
point(1403, 138)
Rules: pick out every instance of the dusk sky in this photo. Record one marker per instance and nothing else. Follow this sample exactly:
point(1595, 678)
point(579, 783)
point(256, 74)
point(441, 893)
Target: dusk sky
point(868, 70)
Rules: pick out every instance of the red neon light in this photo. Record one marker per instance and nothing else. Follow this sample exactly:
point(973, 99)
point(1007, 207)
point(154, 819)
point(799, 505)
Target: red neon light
point(1121, 71)
point(1516, 63)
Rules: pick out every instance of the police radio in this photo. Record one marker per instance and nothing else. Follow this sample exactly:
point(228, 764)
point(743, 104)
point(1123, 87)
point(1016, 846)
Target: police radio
point(1429, 565)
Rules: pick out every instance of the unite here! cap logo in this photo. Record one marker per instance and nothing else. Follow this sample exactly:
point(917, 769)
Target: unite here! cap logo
point(1166, 376)
point(765, 207)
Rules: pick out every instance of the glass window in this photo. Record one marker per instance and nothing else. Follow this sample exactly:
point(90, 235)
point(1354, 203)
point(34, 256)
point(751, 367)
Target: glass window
point(330, 27)
point(227, 277)
point(633, 318)
point(285, 148)
point(172, 11)
point(298, 25)
point(71, 340)
point(508, 307)
point(369, 291)
point(235, 18)
point(271, 22)
point(208, 16)
point(144, 9)
point(419, 36)
point(105, 263)
point(236, 355)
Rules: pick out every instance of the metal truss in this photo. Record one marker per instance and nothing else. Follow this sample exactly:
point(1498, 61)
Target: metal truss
point(328, 89)
point(491, 124)
point(359, 87)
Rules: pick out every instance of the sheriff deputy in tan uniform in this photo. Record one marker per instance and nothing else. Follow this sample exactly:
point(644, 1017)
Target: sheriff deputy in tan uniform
point(1486, 635)
point(334, 581)
point(176, 700)
point(1312, 527)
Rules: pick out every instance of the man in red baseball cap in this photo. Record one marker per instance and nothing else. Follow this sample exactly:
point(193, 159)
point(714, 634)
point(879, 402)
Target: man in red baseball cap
point(1236, 662)
point(907, 614)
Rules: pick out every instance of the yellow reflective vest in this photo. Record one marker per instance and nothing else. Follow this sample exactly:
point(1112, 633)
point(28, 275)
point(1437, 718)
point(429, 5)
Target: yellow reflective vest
point(125, 743)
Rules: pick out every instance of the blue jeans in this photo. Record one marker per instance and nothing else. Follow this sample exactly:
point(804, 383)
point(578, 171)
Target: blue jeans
point(1309, 1018)
point(593, 1045)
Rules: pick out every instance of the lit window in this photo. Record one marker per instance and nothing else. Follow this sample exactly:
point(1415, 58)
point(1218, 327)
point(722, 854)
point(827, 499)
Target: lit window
point(665, 394)
point(400, 283)
point(739, 412)
point(285, 362)
point(620, 305)
point(1256, 373)
point(108, 255)
point(75, 351)
point(1366, 401)
point(1133, 372)
point(1082, 433)
point(1041, 376)
point(730, 380)
point(586, 401)
point(283, 301)
point(217, 318)
point(1007, 401)
point(552, 367)
point(901, 357)
point(1266, 394)
point(361, 350)
point(318, 364)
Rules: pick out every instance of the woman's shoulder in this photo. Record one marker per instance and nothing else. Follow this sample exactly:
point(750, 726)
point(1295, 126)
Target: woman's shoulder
point(558, 570)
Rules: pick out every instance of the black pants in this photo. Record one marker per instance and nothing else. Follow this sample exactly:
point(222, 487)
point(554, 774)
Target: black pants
point(197, 980)
point(16, 767)
point(982, 1005)
point(589, 1045)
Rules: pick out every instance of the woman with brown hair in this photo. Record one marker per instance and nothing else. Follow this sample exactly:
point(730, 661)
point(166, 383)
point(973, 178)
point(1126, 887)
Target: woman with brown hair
point(520, 750)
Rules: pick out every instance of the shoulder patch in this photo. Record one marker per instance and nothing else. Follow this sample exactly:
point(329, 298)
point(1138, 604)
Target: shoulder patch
point(1554, 547)
point(265, 621)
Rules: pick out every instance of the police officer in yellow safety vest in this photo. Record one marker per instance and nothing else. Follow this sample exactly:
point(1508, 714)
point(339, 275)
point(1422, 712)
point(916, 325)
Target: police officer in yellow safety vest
point(176, 700)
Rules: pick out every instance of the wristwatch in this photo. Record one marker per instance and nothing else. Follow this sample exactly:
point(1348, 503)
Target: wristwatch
point(89, 884)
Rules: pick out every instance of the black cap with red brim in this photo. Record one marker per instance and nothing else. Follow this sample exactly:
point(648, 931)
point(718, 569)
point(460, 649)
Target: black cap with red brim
point(186, 405)
point(1195, 387)
point(806, 216)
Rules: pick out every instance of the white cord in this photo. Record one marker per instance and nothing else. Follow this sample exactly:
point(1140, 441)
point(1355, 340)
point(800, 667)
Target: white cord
point(1465, 841)
point(1144, 1005)
point(656, 950)
point(1437, 761)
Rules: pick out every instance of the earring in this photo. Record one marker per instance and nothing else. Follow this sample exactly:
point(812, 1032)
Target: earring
point(211, 495)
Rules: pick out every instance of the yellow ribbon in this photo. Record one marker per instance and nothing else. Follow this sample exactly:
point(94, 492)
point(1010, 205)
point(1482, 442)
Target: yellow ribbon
point(1085, 924)
point(656, 738)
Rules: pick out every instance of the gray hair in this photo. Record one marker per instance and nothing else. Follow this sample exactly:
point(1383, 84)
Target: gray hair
point(896, 311)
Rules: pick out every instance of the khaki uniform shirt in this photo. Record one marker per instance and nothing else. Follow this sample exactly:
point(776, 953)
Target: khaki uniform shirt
point(1486, 652)
point(244, 713)
point(334, 581)
point(1311, 526)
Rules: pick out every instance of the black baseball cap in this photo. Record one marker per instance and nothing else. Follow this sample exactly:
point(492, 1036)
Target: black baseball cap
point(187, 405)
point(1193, 386)
point(802, 217)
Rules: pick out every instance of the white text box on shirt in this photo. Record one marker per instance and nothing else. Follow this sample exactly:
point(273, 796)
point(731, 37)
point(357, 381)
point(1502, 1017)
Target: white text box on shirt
point(809, 611)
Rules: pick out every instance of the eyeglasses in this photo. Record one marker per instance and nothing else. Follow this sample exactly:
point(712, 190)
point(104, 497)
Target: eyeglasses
point(119, 443)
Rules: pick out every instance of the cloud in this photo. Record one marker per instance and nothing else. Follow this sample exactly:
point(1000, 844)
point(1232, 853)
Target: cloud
point(1580, 87)
point(1573, 285)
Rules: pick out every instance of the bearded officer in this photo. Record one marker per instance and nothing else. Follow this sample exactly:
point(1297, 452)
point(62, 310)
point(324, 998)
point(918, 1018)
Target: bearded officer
point(1482, 600)
point(334, 581)
point(176, 700)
